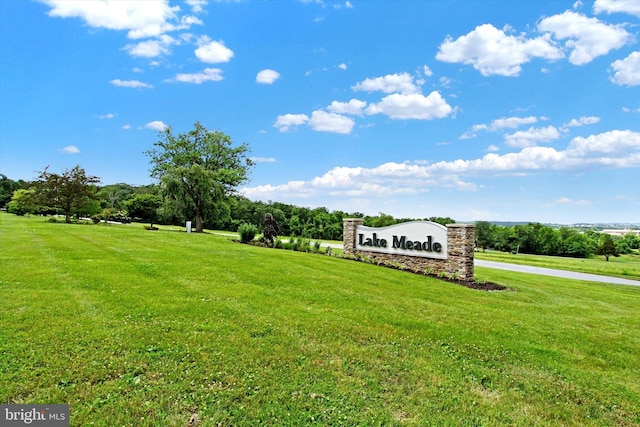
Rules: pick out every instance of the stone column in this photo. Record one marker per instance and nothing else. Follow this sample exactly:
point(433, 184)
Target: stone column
point(349, 233)
point(460, 246)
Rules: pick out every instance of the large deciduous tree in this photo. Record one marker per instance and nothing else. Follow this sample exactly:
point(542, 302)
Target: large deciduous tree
point(198, 169)
point(145, 207)
point(70, 191)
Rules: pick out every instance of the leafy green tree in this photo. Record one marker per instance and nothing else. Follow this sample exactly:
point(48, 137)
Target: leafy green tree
point(73, 190)
point(23, 202)
point(7, 188)
point(548, 241)
point(607, 247)
point(484, 235)
point(632, 240)
point(198, 169)
point(145, 207)
point(441, 220)
point(504, 239)
point(295, 226)
point(576, 246)
point(382, 220)
point(114, 196)
point(527, 236)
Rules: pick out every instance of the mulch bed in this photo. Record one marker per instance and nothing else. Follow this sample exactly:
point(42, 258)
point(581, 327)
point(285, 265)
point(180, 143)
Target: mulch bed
point(481, 286)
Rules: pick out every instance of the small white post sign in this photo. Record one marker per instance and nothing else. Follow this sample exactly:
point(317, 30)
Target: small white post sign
point(188, 226)
point(415, 238)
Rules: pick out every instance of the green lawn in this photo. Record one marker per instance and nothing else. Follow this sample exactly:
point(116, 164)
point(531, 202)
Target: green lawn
point(140, 328)
point(625, 266)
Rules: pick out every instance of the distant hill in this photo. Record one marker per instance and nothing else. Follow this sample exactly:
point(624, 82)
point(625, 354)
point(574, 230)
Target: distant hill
point(581, 225)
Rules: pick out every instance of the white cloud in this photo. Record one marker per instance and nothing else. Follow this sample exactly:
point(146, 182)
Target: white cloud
point(207, 75)
point(148, 49)
point(492, 52)
point(615, 144)
point(353, 107)
point(445, 81)
point(267, 76)
point(588, 37)
point(619, 149)
point(347, 5)
point(263, 159)
point(322, 121)
point(105, 116)
point(130, 83)
point(631, 7)
point(70, 149)
point(187, 21)
point(140, 18)
point(196, 5)
point(213, 52)
point(427, 71)
point(412, 106)
point(616, 148)
point(286, 121)
point(126, 127)
point(627, 71)
point(156, 125)
point(568, 201)
point(342, 66)
point(532, 136)
point(511, 122)
point(499, 124)
point(582, 121)
point(391, 83)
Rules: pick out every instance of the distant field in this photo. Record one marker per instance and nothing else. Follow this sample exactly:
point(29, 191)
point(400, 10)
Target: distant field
point(625, 266)
point(139, 328)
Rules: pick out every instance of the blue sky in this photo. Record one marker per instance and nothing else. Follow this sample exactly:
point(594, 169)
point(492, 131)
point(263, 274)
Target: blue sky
point(478, 110)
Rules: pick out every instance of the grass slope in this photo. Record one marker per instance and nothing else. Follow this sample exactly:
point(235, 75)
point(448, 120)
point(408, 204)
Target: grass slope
point(624, 266)
point(140, 328)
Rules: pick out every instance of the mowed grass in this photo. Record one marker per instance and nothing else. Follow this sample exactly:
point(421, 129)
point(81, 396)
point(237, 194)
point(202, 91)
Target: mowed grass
point(625, 266)
point(139, 328)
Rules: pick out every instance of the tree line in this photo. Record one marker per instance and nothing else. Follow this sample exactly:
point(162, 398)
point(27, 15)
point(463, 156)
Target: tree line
point(540, 239)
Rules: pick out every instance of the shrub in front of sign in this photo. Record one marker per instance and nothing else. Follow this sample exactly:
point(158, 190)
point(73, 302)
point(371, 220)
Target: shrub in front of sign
point(247, 232)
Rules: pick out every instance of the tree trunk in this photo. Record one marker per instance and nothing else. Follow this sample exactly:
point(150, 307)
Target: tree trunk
point(199, 228)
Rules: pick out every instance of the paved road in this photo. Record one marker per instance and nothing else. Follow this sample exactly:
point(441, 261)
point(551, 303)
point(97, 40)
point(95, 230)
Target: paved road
point(555, 273)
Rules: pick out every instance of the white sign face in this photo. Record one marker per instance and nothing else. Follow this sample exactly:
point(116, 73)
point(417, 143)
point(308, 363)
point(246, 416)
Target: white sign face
point(415, 238)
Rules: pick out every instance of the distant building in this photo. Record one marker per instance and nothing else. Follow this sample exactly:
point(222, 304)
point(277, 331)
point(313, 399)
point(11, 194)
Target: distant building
point(620, 232)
